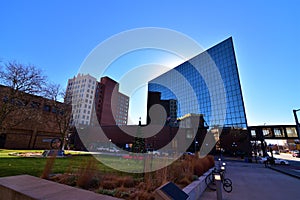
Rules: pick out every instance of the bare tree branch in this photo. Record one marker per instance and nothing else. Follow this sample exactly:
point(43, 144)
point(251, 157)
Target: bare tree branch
point(20, 82)
point(63, 111)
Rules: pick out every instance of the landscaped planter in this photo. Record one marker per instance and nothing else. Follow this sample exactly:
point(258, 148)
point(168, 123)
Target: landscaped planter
point(183, 173)
point(197, 187)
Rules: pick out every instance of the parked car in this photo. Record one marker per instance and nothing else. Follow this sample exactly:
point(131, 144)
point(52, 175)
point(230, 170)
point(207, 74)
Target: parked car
point(296, 153)
point(284, 151)
point(102, 149)
point(281, 161)
point(262, 159)
point(154, 152)
point(113, 150)
point(277, 161)
point(276, 152)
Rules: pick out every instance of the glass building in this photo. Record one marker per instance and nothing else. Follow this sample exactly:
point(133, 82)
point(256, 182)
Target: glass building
point(207, 84)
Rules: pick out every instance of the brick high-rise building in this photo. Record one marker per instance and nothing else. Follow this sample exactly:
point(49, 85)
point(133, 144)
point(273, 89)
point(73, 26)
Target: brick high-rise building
point(111, 105)
point(96, 102)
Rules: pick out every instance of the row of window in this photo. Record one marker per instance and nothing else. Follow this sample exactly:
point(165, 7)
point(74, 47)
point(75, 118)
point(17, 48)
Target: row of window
point(33, 104)
point(87, 117)
point(77, 87)
point(276, 132)
point(78, 81)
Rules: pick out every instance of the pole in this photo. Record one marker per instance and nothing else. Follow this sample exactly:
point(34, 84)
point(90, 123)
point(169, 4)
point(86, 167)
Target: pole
point(297, 122)
point(218, 186)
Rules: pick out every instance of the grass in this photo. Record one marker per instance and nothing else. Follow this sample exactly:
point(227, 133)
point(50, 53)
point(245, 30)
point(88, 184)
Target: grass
point(15, 165)
point(86, 172)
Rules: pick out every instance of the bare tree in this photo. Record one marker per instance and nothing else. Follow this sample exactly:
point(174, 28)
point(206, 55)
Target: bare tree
point(62, 111)
point(19, 82)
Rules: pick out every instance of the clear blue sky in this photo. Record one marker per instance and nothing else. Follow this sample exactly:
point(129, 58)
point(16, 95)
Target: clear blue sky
point(57, 36)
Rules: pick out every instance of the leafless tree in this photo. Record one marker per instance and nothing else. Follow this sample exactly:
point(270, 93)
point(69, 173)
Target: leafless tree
point(18, 83)
point(62, 111)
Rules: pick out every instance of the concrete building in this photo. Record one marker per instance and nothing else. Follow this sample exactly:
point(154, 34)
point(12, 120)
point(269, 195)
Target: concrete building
point(81, 92)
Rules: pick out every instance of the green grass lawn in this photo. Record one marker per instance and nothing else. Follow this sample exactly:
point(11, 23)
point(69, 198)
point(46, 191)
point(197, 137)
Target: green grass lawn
point(15, 165)
point(11, 165)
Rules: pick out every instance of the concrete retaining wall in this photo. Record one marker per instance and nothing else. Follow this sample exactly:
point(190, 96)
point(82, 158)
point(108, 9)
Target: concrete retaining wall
point(25, 187)
point(196, 188)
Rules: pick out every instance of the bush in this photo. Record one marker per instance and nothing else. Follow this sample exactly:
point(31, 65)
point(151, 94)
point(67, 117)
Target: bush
point(128, 182)
point(199, 168)
point(109, 184)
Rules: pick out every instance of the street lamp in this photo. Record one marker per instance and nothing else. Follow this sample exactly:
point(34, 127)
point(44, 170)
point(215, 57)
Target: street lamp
point(234, 146)
point(297, 122)
point(196, 143)
point(218, 181)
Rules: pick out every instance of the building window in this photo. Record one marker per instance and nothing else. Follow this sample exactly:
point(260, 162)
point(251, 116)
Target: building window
point(291, 132)
point(35, 104)
point(267, 132)
point(47, 108)
point(253, 133)
point(278, 132)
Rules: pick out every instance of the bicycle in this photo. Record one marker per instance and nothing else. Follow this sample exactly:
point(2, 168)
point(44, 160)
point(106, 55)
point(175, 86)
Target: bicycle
point(211, 183)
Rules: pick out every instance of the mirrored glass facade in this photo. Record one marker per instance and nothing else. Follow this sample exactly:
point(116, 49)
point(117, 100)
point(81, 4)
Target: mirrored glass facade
point(196, 85)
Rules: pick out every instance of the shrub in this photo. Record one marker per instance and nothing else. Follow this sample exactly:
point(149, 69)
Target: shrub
point(86, 174)
point(199, 169)
point(128, 182)
point(109, 184)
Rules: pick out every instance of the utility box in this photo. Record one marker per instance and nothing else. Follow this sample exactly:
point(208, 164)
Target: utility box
point(170, 191)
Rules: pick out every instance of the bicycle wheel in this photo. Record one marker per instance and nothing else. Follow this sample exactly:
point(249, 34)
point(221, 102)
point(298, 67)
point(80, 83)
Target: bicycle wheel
point(227, 185)
point(210, 182)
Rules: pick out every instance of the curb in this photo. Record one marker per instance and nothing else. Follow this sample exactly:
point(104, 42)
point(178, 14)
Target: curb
point(287, 172)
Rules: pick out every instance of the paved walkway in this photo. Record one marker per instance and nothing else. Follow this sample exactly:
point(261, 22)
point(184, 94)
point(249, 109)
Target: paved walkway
point(255, 182)
point(289, 170)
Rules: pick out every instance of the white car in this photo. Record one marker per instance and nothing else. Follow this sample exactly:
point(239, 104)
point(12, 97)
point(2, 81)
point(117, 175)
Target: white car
point(113, 150)
point(102, 148)
point(262, 159)
point(277, 161)
point(155, 153)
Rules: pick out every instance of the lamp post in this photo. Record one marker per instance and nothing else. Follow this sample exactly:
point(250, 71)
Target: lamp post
point(234, 147)
point(196, 143)
point(297, 122)
point(218, 186)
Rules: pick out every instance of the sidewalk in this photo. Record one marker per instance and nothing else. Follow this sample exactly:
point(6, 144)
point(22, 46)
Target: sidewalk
point(286, 170)
point(254, 182)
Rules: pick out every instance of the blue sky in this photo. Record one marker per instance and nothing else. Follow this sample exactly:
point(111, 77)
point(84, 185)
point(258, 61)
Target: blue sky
point(57, 36)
